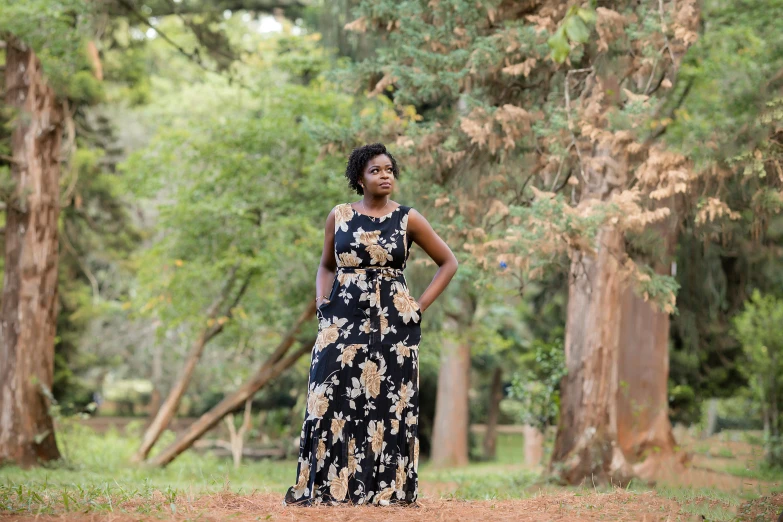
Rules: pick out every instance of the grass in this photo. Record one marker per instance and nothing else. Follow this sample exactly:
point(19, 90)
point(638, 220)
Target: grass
point(96, 477)
point(725, 453)
point(760, 473)
point(709, 503)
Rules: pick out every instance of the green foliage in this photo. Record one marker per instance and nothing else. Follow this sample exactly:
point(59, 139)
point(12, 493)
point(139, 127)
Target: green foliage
point(727, 74)
point(54, 29)
point(537, 386)
point(238, 187)
point(302, 58)
point(573, 28)
point(758, 329)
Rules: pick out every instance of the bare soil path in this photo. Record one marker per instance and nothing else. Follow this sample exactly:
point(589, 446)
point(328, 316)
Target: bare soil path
point(613, 506)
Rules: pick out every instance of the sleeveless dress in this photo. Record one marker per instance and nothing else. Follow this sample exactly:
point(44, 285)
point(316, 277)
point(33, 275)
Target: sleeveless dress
point(359, 442)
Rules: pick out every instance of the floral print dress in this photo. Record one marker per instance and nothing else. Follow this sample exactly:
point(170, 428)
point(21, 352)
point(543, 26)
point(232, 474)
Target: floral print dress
point(359, 441)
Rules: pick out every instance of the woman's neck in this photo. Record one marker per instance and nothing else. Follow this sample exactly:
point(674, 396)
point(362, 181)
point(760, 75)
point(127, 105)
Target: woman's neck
point(376, 203)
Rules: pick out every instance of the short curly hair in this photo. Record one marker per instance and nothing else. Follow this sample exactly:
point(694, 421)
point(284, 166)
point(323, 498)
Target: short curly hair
point(358, 159)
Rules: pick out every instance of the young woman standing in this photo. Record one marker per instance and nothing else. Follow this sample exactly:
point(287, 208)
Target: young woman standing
point(359, 441)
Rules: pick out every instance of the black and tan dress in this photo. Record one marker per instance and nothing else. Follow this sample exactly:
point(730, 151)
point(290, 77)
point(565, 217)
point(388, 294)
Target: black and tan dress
point(359, 441)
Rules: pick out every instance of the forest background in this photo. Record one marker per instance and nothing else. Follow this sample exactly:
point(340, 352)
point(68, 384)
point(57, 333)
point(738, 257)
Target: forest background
point(609, 174)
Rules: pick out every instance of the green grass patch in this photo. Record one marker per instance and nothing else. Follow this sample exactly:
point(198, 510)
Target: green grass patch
point(725, 453)
point(96, 475)
point(760, 473)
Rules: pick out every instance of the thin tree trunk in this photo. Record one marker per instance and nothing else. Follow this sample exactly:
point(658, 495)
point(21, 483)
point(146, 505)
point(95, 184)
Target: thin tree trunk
point(272, 367)
point(712, 418)
point(495, 396)
point(157, 380)
point(450, 428)
point(774, 414)
point(586, 446)
point(169, 408)
point(29, 298)
point(237, 437)
point(534, 445)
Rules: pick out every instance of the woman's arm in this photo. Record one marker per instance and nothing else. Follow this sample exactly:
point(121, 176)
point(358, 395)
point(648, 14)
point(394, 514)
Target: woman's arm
point(327, 269)
point(423, 235)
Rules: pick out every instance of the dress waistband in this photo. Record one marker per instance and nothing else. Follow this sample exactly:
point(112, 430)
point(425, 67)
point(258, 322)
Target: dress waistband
point(378, 270)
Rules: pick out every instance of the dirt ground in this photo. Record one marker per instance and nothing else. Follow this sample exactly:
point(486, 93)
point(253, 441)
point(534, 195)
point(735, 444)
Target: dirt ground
point(616, 506)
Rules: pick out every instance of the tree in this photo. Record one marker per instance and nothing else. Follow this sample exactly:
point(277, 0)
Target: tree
point(278, 362)
point(587, 148)
point(450, 427)
point(757, 328)
point(490, 65)
point(29, 295)
point(241, 189)
point(719, 263)
point(32, 204)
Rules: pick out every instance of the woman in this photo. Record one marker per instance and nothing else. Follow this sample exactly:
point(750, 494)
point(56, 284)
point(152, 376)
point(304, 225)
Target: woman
point(359, 441)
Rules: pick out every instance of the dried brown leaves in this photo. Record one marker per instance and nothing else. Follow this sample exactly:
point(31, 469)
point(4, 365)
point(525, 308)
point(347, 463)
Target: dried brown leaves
point(610, 26)
point(713, 209)
point(514, 123)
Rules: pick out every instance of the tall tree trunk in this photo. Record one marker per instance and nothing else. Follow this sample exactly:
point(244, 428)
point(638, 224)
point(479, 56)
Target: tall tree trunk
point(29, 297)
point(643, 428)
point(586, 446)
point(276, 364)
point(450, 428)
point(495, 396)
point(169, 408)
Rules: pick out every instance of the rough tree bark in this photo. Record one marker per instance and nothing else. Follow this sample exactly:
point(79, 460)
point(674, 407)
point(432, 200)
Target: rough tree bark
point(495, 396)
point(29, 297)
point(169, 407)
point(643, 428)
point(586, 446)
point(276, 364)
point(450, 428)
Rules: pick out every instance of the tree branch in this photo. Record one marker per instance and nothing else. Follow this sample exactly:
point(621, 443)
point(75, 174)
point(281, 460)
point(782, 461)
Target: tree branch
point(96, 295)
point(658, 133)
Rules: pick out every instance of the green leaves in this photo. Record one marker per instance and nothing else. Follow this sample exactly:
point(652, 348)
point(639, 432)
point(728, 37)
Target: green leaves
point(559, 44)
point(758, 329)
point(574, 28)
point(54, 29)
point(537, 386)
point(236, 179)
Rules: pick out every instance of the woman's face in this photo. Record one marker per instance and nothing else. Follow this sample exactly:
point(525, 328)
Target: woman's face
point(378, 176)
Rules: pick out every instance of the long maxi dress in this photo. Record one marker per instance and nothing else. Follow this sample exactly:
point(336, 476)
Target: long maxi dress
point(359, 442)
